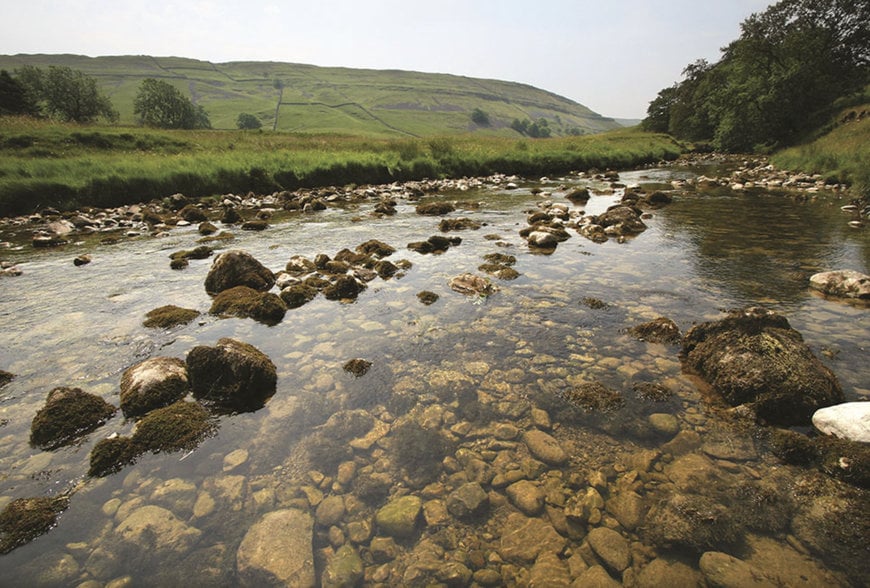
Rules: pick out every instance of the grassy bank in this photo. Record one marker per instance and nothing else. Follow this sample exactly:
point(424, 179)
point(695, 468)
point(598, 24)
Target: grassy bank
point(66, 166)
point(843, 154)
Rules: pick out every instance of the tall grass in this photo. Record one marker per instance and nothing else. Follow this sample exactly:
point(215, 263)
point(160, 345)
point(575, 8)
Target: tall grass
point(66, 166)
point(842, 155)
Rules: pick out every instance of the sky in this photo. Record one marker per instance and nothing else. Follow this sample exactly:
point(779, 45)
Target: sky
point(613, 56)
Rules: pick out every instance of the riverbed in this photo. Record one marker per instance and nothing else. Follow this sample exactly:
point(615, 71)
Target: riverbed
point(479, 371)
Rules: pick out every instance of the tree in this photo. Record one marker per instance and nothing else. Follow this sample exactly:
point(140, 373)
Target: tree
point(779, 80)
point(14, 98)
point(248, 121)
point(160, 104)
point(66, 94)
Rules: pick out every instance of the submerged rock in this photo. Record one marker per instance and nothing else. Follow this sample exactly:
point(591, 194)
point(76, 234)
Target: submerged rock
point(238, 268)
point(232, 374)
point(68, 414)
point(153, 383)
point(358, 367)
point(25, 519)
point(753, 357)
point(398, 518)
point(147, 523)
point(721, 569)
point(277, 549)
point(470, 285)
point(843, 283)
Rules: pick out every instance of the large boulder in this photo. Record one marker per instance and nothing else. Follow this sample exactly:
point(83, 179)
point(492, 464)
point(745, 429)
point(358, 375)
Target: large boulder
point(233, 374)
point(277, 551)
point(179, 426)
point(68, 414)
point(25, 519)
point(246, 302)
point(754, 358)
point(843, 284)
point(621, 220)
point(238, 268)
point(153, 383)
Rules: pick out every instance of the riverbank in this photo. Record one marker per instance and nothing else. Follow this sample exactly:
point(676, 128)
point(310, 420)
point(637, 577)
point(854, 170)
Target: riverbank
point(68, 167)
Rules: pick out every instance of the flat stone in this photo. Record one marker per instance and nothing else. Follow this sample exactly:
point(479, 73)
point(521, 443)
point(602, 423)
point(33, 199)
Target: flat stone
point(523, 539)
point(673, 574)
point(664, 423)
point(725, 571)
point(628, 508)
point(842, 283)
point(596, 577)
point(277, 549)
point(549, 571)
point(613, 549)
point(398, 518)
point(146, 523)
point(330, 511)
point(526, 496)
point(544, 447)
point(850, 420)
point(469, 500)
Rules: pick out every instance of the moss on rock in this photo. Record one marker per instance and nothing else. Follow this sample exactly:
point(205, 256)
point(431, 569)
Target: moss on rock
point(166, 317)
point(245, 302)
point(111, 455)
point(182, 425)
point(25, 519)
point(68, 414)
point(232, 373)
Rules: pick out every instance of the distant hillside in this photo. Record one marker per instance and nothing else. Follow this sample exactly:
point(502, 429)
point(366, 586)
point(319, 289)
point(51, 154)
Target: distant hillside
point(306, 98)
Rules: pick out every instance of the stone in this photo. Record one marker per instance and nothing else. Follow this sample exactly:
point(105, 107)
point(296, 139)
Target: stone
point(664, 423)
point(542, 240)
point(398, 518)
point(692, 521)
point(245, 302)
point(754, 358)
point(25, 519)
point(526, 496)
point(232, 374)
point(595, 577)
point(68, 414)
point(523, 539)
point(155, 528)
point(345, 287)
point(468, 501)
point(544, 447)
point(330, 511)
point(612, 548)
point(660, 330)
point(673, 574)
point(435, 208)
point(179, 426)
point(472, 285)
point(166, 317)
point(850, 420)
point(549, 572)
point(238, 268)
point(725, 571)
point(842, 283)
point(83, 259)
point(628, 508)
point(277, 549)
point(343, 569)
point(624, 219)
point(357, 367)
point(153, 383)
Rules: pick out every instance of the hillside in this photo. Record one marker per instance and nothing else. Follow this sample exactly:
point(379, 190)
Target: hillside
point(306, 98)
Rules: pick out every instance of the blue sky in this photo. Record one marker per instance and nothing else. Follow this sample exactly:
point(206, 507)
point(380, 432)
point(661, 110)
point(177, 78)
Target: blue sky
point(611, 55)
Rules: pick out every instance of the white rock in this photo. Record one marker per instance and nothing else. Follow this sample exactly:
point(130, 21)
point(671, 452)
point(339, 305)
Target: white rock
point(850, 420)
point(845, 283)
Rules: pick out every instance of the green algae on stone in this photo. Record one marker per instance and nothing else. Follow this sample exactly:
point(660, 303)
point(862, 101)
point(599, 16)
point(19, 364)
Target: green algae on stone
point(168, 316)
point(68, 414)
point(233, 374)
point(179, 426)
point(298, 295)
point(111, 455)
point(25, 519)
point(245, 302)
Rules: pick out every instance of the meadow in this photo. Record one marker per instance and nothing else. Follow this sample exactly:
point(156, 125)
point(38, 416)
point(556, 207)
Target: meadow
point(68, 166)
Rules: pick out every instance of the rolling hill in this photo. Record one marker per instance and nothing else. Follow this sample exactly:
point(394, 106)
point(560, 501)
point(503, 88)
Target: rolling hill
point(307, 98)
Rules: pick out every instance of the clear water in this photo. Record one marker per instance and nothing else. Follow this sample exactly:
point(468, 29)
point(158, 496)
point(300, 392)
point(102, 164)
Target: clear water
point(62, 325)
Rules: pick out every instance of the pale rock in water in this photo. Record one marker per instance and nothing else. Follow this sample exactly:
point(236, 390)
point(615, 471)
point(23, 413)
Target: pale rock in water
point(842, 283)
point(277, 549)
point(850, 420)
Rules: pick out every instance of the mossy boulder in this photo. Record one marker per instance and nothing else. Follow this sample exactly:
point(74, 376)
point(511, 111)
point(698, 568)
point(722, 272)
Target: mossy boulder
point(344, 288)
point(376, 248)
point(435, 208)
point(398, 518)
point(660, 330)
point(179, 426)
point(68, 414)
point(192, 214)
point(427, 297)
point(111, 455)
point(245, 302)
point(5, 378)
point(298, 295)
point(166, 317)
point(238, 268)
point(694, 522)
point(153, 383)
point(623, 220)
point(25, 519)
point(358, 367)
point(754, 358)
point(232, 374)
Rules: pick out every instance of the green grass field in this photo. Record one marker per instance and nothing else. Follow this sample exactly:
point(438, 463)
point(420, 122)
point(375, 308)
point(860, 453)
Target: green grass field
point(842, 155)
point(384, 103)
point(69, 166)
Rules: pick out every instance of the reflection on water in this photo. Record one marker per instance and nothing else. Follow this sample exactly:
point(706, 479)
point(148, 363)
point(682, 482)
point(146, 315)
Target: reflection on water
point(476, 370)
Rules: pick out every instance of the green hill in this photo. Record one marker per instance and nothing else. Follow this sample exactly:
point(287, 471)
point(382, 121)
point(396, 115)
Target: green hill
point(306, 98)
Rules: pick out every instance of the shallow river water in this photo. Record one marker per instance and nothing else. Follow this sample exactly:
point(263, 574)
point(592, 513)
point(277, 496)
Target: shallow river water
point(479, 371)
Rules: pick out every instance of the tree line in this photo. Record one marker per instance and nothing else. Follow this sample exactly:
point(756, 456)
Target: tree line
point(792, 66)
point(65, 94)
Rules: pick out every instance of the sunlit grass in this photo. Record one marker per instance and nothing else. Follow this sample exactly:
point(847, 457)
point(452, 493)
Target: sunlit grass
point(68, 165)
